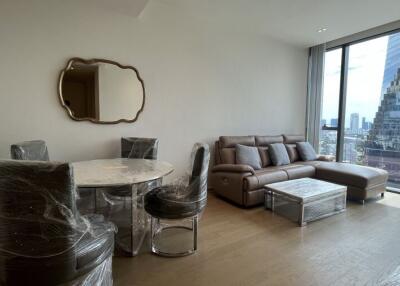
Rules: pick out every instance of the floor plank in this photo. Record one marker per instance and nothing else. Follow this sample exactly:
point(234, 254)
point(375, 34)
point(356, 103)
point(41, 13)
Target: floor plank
point(256, 247)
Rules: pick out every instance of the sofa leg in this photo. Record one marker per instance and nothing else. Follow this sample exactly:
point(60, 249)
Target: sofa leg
point(382, 195)
point(363, 202)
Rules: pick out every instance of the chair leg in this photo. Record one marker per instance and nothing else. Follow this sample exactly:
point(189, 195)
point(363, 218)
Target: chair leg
point(152, 233)
point(157, 229)
point(195, 223)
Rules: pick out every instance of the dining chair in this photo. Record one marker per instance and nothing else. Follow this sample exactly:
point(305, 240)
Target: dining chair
point(35, 150)
point(170, 203)
point(120, 203)
point(44, 240)
point(139, 148)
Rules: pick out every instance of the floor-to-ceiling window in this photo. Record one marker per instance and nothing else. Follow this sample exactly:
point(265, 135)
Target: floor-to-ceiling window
point(330, 102)
point(360, 118)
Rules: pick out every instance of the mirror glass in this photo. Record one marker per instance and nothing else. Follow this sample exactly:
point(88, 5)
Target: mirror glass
point(101, 91)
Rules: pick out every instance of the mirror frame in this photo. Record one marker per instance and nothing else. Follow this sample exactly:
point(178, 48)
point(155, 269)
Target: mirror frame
point(90, 62)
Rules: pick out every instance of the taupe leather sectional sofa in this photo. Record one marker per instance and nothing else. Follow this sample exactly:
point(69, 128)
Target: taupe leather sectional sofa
point(243, 185)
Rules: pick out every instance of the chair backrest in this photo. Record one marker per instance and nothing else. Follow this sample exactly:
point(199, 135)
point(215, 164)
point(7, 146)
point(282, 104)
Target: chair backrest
point(198, 179)
point(139, 148)
point(38, 215)
point(30, 150)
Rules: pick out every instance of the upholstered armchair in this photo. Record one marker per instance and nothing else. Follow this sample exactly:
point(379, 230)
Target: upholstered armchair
point(44, 240)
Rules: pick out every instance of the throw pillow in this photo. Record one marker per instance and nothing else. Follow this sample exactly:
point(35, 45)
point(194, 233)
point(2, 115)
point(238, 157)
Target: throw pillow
point(248, 156)
point(279, 155)
point(306, 151)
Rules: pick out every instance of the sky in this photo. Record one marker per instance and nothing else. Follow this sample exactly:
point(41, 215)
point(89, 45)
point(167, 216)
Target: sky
point(364, 83)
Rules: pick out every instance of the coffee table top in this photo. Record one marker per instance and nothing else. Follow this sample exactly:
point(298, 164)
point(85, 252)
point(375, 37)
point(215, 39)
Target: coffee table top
point(306, 189)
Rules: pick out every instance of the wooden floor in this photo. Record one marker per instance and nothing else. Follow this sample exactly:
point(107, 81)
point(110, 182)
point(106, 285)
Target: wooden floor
point(255, 247)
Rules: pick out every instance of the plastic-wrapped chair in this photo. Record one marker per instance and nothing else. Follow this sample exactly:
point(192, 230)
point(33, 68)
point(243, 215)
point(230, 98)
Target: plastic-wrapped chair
point(180, 202)
point(120, 204)
point(35, 150)
point(139, 148)
point(43, 238)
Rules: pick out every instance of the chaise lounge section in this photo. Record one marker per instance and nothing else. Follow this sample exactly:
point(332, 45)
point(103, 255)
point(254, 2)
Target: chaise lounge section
point(243, 185)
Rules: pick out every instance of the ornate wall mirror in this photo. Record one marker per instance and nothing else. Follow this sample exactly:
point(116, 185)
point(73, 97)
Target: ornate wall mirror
point(101, 91)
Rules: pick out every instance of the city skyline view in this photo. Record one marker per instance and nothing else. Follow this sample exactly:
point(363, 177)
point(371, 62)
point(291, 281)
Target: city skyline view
point(372, 111)
point(365, 77)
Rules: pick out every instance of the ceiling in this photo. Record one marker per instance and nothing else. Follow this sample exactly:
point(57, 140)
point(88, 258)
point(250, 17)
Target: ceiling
point(293, 21)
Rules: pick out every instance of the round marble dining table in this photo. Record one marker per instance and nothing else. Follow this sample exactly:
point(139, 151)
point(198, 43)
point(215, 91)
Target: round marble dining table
point(118, 172)
point(119, 186)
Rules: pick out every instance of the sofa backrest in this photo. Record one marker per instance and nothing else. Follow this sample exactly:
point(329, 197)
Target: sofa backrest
point(290, 143)
point(292, 139)
point(225, 147)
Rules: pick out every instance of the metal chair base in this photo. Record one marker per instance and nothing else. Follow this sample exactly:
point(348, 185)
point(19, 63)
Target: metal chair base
point(155, 222)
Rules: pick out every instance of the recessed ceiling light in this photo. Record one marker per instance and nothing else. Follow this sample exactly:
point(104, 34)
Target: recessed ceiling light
point(322, 30)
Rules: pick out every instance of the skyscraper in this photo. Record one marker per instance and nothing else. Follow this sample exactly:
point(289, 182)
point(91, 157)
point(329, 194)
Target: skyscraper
point(383, 145)
point(334, 122)
point(365, 125)
point(382, 148)
point(392, 61)
point(354, 122)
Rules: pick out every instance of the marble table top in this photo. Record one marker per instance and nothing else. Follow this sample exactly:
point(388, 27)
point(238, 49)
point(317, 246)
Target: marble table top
point(306, 189)
point(117, 172)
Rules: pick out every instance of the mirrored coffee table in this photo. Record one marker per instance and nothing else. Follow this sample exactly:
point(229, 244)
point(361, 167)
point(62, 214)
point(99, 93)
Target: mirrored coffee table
point(305, 200)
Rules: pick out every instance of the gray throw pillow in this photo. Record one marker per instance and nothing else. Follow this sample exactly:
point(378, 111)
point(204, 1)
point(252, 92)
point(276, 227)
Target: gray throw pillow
point(279, 155)
point(306, 151)
point(248, 156)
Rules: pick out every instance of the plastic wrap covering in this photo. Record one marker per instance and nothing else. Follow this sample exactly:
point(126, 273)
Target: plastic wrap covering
point(180, 200)
point(291, 209)
point(139, 148)
point(176, 208)
point(127, 212)
point(305, 200)
point(30, 150)
point(124, 205)
point(43, 238)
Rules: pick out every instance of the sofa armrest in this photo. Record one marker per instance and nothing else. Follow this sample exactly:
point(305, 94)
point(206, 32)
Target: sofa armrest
point(233, 168)
point(326, 158)
point(229, 185)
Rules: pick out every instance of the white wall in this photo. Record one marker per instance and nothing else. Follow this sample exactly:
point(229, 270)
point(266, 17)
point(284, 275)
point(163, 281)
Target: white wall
point(202, 81)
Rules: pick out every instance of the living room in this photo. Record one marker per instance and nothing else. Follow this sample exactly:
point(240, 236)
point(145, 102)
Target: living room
point(296, 180)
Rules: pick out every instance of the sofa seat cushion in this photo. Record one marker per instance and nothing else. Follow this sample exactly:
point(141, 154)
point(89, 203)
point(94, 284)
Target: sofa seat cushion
point(350, 174)
point(312, 163)
point(295, 171)
point(299, 171)
point(263, 177)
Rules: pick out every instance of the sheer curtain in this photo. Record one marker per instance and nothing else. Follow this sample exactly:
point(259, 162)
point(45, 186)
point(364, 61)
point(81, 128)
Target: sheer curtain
point(314, 93)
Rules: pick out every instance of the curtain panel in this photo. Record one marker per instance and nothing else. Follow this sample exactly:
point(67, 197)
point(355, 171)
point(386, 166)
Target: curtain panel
point(314, 93)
